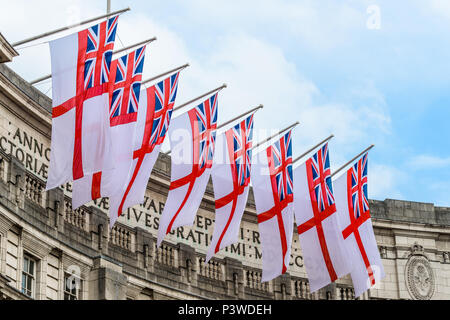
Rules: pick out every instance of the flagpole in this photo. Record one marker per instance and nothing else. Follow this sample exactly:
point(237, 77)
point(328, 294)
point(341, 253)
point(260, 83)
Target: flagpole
point(240, 116)
point(135, 45)
point(360, 154)
point(165, 73)
point(49, 33)
point(201, 96)
point(305, 153)
point(276, 134)
point(114, 52)
point(229, 121)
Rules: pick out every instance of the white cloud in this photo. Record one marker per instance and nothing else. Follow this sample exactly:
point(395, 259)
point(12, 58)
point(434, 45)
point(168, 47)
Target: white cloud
point(23, 19)
point(424, 161)
point(440, 190)
point(321, 26)
point(385, 181)
point(439, 7)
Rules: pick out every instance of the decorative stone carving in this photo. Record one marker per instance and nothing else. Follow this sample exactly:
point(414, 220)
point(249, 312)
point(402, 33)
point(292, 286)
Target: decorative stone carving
point(446, 257)
point(419, 277)
point(417, 249)
point(383, 251)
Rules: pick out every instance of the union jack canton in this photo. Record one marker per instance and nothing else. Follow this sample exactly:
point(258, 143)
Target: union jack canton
point(126, 87)
point(280, 164)
point(319, 180)
point(99, 50)
point(358, 187)
point(206, 118)
point(242, 153)
point(165, 94)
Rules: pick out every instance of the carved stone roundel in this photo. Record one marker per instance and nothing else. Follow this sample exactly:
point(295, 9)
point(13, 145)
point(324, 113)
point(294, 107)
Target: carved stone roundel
point(419, 278)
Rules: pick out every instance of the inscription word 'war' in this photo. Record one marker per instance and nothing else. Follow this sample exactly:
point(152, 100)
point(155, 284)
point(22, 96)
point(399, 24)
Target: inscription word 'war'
point(27, 149)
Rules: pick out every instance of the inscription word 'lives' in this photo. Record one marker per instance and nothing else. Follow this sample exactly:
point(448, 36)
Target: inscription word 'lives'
point(28, 150)
point(199, 235)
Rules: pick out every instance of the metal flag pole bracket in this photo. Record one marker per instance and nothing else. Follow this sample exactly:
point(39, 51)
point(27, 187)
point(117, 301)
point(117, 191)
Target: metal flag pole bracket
point(136, 45)
point(201, 96)
point(165, 73)
point(356, 157)
point(195, 99)
point(311, 149)
point(234, 119)
point(240, 116)
point(114, 52)
point(49, 33)
point(276, 134)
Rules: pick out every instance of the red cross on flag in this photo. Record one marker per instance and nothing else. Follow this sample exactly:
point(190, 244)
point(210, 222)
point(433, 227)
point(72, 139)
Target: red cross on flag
point(192, 139)
point(153, 119)
point(80, 119)
point(318, 228)
point(354, 216)
point(124, 93)
point(273, 191)
point(231, 178)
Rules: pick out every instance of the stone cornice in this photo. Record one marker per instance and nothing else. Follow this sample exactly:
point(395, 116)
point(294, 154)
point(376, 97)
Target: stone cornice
point(7, 51)
point(11, 87)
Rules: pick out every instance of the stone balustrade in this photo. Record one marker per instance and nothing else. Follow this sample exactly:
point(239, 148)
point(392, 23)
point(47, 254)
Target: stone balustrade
point(34, 189)
point(165, 254)
point(120, 237)
point(211, 270)
point(301, 289)
point(78, 217)
point(253, 280)
point(345, 293)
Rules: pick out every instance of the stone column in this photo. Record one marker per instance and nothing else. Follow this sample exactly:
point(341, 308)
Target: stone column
point(55, 207)
point(98, 227)
point(106, 280)
point(16, 182)
point(187, 262)
point(282, 287)
point(144, 248)
point(234, 277)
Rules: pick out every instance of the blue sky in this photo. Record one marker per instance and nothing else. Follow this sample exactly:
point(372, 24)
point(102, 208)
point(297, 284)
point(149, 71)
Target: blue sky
point(312, 61)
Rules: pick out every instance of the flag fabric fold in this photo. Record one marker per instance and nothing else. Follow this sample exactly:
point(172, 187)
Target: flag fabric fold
point(124, 93)
point(231, 177)
point(153, 119)
point(354, 216)
point(318, 227)
point(191, 164)
point(273, 190)
point(80, 122)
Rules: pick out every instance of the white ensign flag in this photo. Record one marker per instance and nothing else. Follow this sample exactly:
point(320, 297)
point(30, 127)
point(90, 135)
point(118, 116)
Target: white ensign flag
point(354, 216)
point(80, 114)
point(231, 177)
point(192, 159)
point(124, 94)
point(318, 228)
point(273, 191)
point(154, 116)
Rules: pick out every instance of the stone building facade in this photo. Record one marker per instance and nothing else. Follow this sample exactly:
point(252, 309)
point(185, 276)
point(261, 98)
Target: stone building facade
point(49, 251)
